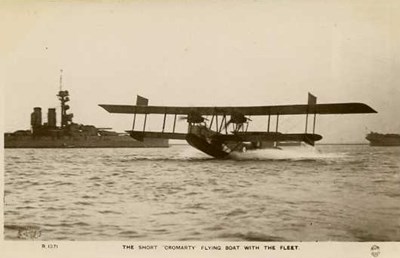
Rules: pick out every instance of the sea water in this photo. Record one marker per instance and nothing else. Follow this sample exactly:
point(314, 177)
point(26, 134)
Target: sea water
point(327, 193)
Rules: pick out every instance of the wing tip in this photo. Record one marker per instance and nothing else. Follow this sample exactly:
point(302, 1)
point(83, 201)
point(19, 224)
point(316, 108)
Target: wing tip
point(348, 108)
point(104, 106)
point(367, 108)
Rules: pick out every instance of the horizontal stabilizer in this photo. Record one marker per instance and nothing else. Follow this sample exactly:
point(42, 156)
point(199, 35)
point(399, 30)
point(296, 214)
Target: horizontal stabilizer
point(333, 108)
point(140, 135)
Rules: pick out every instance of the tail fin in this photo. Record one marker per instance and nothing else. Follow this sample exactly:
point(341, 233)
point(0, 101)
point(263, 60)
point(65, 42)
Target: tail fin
point(312, 100)
point(141, 101)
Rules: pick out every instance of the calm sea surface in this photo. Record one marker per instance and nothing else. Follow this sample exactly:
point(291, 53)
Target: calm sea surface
point(330, 193)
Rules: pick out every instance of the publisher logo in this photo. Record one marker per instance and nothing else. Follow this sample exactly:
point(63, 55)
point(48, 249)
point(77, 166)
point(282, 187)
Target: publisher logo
point(29, 233)
point(375, 251)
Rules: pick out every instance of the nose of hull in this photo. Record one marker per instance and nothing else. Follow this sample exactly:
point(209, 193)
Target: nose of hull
point(213, 149)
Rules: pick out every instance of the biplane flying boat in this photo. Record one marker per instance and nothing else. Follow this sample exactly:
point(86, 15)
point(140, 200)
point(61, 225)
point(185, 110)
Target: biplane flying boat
point(212, 137)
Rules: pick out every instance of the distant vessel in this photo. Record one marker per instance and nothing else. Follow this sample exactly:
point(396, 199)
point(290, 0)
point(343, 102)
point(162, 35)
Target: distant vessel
point(377, 139)
point(69, 134)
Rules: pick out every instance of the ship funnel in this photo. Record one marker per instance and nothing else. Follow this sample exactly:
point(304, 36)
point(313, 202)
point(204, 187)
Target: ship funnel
point(51, 117)
point(36, 120)
point(36, 117)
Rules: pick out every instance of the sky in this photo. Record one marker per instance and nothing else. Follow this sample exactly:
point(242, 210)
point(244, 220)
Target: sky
point(203, 53)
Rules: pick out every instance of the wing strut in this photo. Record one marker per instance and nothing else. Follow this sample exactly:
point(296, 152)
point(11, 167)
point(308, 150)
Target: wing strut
point(165, 118)
point(173, 130)
point(313, 129)
point(134, 120)
point(140, 101)
point(277, 122)
point(312, 102)
point(212, 120)
point(144, 124)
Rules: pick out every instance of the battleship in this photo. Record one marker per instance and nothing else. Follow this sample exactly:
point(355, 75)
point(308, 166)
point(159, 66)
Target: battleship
point(378, 139)
point(70, 134)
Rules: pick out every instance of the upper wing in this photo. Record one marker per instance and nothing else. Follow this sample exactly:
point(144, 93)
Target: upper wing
point(334, 108)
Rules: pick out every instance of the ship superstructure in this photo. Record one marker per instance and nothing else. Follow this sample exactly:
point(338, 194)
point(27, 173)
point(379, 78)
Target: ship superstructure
point(70, 134)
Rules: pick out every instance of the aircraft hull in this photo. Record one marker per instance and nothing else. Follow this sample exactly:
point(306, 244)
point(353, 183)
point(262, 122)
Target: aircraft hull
point(213, 149)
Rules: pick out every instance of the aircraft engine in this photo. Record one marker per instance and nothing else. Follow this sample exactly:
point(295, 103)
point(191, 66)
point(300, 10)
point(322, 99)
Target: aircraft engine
point(194, 118)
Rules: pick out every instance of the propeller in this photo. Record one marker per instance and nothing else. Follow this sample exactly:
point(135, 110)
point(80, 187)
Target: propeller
point(238, 119)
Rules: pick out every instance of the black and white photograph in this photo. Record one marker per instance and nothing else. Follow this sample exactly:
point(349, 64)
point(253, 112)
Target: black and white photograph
point(201, 128)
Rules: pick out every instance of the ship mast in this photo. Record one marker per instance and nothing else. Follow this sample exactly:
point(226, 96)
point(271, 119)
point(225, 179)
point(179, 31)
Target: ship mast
point(61, 70)
point(63, 96)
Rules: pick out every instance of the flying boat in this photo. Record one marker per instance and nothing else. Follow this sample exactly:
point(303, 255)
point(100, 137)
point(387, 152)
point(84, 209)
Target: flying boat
point(227, 129)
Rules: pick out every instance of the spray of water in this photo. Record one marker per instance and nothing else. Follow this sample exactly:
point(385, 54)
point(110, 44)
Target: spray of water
point(303, 152)
point(285, 153)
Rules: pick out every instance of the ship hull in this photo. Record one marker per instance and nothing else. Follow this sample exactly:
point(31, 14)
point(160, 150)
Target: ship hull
point(382, 144)
point(81, 142)
point(376, 139)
